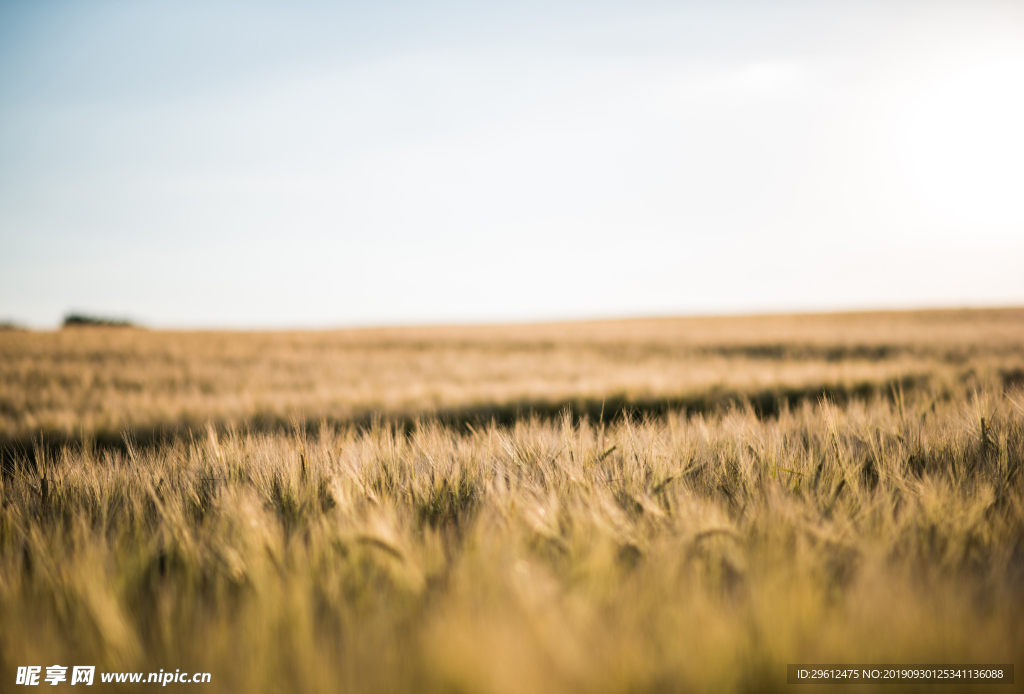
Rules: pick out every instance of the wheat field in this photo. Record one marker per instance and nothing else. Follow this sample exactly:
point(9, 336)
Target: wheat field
point(635, 506)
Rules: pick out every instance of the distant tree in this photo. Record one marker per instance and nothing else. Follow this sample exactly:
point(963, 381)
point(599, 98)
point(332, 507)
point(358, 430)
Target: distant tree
point(76, 320)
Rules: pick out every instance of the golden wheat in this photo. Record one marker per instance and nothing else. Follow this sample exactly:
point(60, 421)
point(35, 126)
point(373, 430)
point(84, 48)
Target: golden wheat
point(682, 551)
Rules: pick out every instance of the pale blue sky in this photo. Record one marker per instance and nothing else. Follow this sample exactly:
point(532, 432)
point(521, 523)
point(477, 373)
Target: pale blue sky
point(329, 164)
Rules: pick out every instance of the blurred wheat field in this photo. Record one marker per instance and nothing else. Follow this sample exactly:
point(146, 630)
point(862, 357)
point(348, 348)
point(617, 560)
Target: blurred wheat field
point(102, 381)
point(655, 551)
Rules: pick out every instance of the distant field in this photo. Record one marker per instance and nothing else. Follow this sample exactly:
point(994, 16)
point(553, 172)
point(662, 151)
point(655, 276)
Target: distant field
point(635, 506)
point(102, 381)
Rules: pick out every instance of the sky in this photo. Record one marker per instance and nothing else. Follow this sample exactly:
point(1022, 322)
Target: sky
point(329, 164)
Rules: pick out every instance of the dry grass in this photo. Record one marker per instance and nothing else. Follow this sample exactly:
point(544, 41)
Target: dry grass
point(679, 552)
